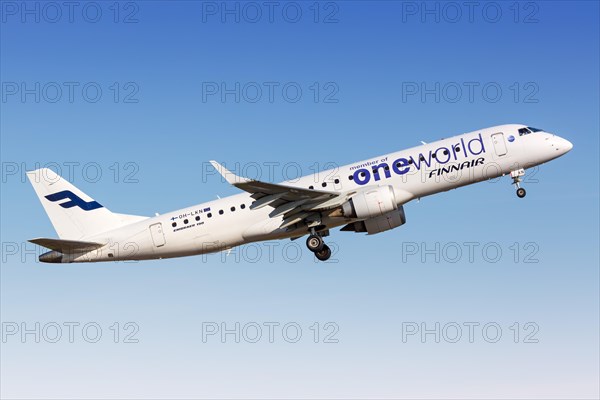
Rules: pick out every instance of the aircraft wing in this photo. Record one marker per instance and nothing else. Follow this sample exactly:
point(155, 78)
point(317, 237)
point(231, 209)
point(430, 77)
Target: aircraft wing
point(293, 203)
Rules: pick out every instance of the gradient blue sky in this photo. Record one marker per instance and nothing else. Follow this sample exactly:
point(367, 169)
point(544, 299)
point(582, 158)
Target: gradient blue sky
point(372, 286)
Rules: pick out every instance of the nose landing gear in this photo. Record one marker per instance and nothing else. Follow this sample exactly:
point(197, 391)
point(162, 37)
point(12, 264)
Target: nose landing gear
point(316, 244)
point(516, 177)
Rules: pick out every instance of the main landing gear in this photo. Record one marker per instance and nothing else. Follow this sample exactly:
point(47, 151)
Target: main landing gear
point(316, 244)
point(516, 177)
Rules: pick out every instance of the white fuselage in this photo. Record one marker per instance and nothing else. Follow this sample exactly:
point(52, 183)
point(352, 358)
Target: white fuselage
point(416, 172)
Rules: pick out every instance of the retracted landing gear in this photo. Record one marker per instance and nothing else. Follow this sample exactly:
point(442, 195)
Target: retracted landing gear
point(316, 244)
point(516, 177)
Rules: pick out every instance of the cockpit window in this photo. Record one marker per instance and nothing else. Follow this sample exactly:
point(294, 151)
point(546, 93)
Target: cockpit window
point(534, 129)
point(524, 131)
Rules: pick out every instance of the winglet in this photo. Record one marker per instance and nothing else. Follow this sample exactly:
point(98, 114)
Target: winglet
point(229, 176)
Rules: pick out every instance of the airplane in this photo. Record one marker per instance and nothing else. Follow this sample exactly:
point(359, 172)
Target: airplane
point(366, 196)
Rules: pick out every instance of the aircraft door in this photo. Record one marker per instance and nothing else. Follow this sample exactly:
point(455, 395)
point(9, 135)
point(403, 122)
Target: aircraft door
point(499, 144)
point(158, 236)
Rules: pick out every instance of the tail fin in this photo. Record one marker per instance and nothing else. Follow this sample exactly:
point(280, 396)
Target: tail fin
point(74, 214)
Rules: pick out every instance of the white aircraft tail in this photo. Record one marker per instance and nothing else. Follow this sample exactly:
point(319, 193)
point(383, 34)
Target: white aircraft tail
point(74, 214)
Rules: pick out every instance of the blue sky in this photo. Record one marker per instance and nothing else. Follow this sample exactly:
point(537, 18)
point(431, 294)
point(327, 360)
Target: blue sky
point(141, 143)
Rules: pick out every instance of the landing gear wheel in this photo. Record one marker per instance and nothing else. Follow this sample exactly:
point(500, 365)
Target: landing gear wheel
point(315, 243)
point(324, 253)
point(516, 177)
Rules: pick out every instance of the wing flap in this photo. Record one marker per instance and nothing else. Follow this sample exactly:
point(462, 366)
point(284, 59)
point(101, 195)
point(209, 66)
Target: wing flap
point(265, 201)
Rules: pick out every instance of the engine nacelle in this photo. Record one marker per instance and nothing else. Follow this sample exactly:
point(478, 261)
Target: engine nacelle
point(370, 203)
point(382, 223)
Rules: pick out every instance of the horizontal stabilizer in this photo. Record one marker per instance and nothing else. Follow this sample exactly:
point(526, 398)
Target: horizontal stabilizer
point(66, 246)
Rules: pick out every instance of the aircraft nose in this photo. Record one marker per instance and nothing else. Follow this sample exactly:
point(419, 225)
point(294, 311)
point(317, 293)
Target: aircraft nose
point(563, 145)
point(568, 145)
point(559, 145)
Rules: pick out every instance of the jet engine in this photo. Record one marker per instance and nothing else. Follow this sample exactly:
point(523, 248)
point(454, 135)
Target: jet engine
point(382, 223)
point(370, 203)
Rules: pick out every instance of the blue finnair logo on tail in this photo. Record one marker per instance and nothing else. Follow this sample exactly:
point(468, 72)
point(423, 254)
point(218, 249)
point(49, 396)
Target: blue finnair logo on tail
point(74, 200)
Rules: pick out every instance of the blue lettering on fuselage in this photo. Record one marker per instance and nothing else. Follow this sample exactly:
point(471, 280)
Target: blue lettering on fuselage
point(402, 165)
